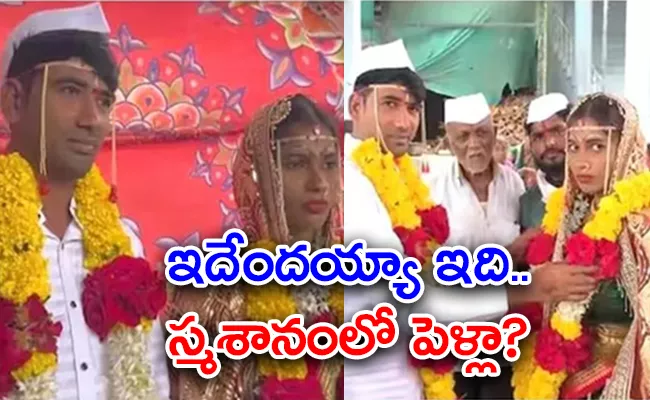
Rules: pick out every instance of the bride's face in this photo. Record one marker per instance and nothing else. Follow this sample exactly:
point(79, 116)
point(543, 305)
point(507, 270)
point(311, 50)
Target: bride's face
point(311, 177)
point(589, 157)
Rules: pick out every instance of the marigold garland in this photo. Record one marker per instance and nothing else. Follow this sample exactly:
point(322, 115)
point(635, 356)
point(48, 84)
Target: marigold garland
point(421, 226)
point(23, 269)
point(274, 301)
point(524, 367)
point(564, 346)
point(438, 386)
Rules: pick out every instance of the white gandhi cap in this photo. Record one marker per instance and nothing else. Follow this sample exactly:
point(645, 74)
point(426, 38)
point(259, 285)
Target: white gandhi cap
point(88, 18)
point(385, 56)
point(470, 109)
point(544, 107)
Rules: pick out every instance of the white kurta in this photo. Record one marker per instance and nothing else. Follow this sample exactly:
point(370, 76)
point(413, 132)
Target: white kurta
point(387, 375)
point(82, 369)
point(470, 223)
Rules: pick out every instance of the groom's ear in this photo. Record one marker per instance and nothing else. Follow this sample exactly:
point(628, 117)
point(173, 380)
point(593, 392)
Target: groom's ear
point(355, 104)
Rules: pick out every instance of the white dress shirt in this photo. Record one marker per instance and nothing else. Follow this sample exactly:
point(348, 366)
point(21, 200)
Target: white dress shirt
point(387, 375)
point(544, 186)
point(81, 373)
point(473, 223)
point(470, 223)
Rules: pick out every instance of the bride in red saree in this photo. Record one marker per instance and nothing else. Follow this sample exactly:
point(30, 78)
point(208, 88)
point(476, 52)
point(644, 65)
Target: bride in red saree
point(600, 347)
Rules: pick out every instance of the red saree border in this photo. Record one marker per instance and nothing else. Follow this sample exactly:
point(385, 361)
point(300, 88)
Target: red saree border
point(587, 381)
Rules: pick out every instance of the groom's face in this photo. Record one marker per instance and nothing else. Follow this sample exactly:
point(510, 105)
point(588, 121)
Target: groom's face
point(390, 111)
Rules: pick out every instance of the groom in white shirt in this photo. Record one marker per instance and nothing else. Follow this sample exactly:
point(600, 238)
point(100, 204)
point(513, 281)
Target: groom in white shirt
point(69, 49)
point(386, 104)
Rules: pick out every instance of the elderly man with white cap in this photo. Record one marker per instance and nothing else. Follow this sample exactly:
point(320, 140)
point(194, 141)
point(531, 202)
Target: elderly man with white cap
point(83, 330)
point(481, 196)
point(386, 110)
point(546, 129)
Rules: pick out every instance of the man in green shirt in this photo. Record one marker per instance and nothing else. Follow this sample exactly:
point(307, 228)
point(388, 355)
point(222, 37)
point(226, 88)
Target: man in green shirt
point(546, 129)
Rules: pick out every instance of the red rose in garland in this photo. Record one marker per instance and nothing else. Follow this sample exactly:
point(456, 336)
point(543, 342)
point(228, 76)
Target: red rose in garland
point(580, 250)
point(540, 249)
point(549, 351)
point(416, 243)
point(123, 292)
point(34, 319)
point(578, 352)
point(436, 222)
point(24, 330)
point(609, 254)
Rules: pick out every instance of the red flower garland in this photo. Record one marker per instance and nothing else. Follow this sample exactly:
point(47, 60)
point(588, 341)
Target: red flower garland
point(125, 291)
point(580, 250)
point(552, 352)
point(24, 330)
point(540, 249)
point(434, 228)
point(555, 354)
point(309, 388)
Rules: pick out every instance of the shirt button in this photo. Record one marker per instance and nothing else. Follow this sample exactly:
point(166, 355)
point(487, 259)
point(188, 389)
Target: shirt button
point(84, 366)
point(73, 304)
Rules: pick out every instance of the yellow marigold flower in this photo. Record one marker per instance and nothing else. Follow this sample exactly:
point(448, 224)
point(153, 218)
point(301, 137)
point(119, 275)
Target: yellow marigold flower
point(569, 330)
point(23, 270)
point(146, 324)
point(524, 367)
point(26, 276)
point(264, 244)
point(545, 385)
point(554, 208)
point(633, 193)
point(398, 185)
point(420, 192)
point(271, 301)
point(38, 364)
point(104, 237)
point(438, 386)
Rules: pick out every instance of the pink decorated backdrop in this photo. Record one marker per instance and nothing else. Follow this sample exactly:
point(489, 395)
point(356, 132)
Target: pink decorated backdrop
point(191, 76)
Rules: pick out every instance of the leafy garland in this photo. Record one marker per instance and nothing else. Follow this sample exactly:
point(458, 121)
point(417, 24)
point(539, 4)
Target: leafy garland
point(28, 337)
point(564, 346)
point(274, 301)
point(420, 225)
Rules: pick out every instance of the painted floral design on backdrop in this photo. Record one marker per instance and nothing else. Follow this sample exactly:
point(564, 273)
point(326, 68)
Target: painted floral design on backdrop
point(190, 79)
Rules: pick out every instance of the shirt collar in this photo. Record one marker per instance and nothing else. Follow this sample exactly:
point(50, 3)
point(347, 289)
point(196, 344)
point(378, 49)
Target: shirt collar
point(544, 186)
point(460, 178)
